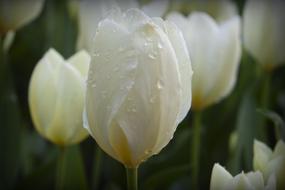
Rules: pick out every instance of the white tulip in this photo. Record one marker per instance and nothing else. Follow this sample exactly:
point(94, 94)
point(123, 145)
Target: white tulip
point(221, 179)
point(139, 85)
point(15, 14)
point(215, 51)
point(56, 97)
point(270, 162)
point(219, 9)
point(263, 30)
point(92, 12)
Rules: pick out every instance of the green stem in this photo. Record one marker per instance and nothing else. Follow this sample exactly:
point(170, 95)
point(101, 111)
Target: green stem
point(97, 167)
point(132, 178)
point(265, 103)
point(196, 140)
point(60, 170)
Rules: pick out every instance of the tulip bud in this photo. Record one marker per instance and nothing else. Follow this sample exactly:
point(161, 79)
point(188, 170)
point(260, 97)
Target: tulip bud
point(215, 51)
point(139, 85)
point(15, 14)
point(270, 162)
point(92, 12)
point(263, 30)
point(219, 9)
point(56, 97)
point(221, 179)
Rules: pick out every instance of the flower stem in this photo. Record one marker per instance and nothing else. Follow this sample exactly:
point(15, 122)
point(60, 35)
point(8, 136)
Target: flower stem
point(97, 167)
point(132, 178)
point(60, 170)
point(196, 140)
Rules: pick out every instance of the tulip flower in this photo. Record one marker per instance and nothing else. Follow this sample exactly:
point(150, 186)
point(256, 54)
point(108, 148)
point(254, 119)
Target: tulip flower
point(91, 12)
point(270, 162)
point(219, 9)
point(15, 14)
point(56, 97)
point(139, 85)
point(221, 179)
point(215, 51)
point(263, 30)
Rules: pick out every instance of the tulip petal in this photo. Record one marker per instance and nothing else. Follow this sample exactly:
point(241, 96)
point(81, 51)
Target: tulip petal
point(256, 179)
point(152, 105)
point(263, 29)
point(262, 155)
point(271, 184)
point(279, 149)
point(220, 178)
point(67, 121)
point(184, 64)
point(111, 75)
point(228, 57)
point(43, 111)
point(81, 62)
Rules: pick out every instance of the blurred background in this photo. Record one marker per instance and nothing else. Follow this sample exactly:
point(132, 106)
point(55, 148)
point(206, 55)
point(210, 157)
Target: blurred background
point(254, 109)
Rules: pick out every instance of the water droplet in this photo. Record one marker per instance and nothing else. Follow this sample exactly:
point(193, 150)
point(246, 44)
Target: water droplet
point(94, 85)
point(159, 84)
point(152, 56)
point(147, 152)
point(152, 99)
point(134, 110)
point(159, 46)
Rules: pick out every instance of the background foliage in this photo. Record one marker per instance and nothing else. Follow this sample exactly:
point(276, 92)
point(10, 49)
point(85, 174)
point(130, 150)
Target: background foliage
point(28, 161)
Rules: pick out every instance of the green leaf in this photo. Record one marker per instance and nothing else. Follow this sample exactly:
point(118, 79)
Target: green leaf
point(10, 128)
point(72, 171)
point(245, 129)
point(164, 178)
point(276, 119)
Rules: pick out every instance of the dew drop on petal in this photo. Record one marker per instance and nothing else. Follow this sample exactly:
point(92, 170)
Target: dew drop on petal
point(159, 84)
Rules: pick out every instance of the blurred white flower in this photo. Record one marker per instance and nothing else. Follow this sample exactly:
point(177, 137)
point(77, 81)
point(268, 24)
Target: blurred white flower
point(263, 30)
point(215, 51)
point(219, 9)
point(270, 162)
point(92, 12)
point(139, 85)
point(15, 14)
point(221, 179)
point(56, 97)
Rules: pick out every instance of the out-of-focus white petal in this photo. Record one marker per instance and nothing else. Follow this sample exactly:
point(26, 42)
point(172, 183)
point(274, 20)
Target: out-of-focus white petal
point(263, 30)
point(261, 156)
point(279, 149)
point(215, 53)
point(43, 111)
point(56, 96)
point(220, 178)
point(16, 14)
point(81, 62)
point(271, 183)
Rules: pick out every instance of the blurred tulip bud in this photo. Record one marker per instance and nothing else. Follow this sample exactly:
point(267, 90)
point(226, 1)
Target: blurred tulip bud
point(56, 97)
point(263, 30)
point(221, 179)
point(92, 12)
point(139, 85)
point(15, 14)
point(219, 9)
point(270, 162)
point(215, 51)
